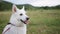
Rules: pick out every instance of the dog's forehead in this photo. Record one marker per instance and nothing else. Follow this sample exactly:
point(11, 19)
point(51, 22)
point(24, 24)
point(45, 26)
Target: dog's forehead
point(21, 11)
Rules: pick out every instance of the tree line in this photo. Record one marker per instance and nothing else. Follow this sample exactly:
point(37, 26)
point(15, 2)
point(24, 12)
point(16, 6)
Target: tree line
point(8, 6)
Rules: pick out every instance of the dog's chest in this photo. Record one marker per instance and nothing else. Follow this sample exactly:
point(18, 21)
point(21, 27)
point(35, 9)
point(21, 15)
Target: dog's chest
point(18, 30)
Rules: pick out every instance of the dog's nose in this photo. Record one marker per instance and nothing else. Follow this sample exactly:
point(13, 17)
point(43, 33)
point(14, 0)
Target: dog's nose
point(27, 18)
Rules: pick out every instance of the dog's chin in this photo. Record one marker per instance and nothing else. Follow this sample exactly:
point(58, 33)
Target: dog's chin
point(25, 22)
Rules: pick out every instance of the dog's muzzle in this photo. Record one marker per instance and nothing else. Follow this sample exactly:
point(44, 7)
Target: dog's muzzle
point(25, 22)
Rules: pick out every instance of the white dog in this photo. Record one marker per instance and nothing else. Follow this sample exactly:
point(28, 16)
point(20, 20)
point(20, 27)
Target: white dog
point(17, 23)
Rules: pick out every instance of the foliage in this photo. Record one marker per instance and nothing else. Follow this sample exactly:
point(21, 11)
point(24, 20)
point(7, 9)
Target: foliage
point(8, 6)
point(5, 6)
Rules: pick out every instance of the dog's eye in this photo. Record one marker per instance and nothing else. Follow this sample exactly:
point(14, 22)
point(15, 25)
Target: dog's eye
point(21, 14)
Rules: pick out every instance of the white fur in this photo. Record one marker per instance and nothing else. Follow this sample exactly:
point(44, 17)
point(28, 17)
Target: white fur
point(19, 28)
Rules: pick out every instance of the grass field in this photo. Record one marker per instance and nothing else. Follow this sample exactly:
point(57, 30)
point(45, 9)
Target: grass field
point(41, 21)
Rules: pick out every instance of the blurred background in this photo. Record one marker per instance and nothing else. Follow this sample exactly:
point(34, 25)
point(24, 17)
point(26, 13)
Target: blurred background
point(44, 15)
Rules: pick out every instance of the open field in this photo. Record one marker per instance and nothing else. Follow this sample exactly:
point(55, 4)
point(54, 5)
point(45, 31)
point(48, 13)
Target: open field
point(41, 21)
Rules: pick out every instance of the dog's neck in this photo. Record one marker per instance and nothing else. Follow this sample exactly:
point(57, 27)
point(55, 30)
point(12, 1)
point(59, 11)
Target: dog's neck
point(14, 21)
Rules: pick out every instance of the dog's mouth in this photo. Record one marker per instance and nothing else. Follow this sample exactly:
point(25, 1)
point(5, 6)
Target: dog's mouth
point(25, 22)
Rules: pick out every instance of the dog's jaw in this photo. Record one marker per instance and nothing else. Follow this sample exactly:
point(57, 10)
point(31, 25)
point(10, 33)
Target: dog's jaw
point(25, 22)
point(15, 21)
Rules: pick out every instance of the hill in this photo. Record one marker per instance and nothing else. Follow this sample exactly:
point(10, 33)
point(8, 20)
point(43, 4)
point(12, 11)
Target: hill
point(8, 6)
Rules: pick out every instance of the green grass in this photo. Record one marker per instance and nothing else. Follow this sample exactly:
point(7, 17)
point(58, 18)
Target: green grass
point(41, 21)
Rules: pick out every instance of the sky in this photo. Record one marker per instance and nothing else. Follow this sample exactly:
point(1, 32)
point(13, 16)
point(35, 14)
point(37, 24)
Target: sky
point(37, 3)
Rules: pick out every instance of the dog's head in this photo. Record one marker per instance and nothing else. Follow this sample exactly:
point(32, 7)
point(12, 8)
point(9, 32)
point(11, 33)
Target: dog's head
point(20, 14)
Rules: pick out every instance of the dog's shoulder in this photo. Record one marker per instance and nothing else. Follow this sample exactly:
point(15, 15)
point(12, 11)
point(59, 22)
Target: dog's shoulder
point(6, 28)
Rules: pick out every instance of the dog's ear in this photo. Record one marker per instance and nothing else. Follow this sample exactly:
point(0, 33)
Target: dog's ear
point(14, 8)
point(23, 8)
